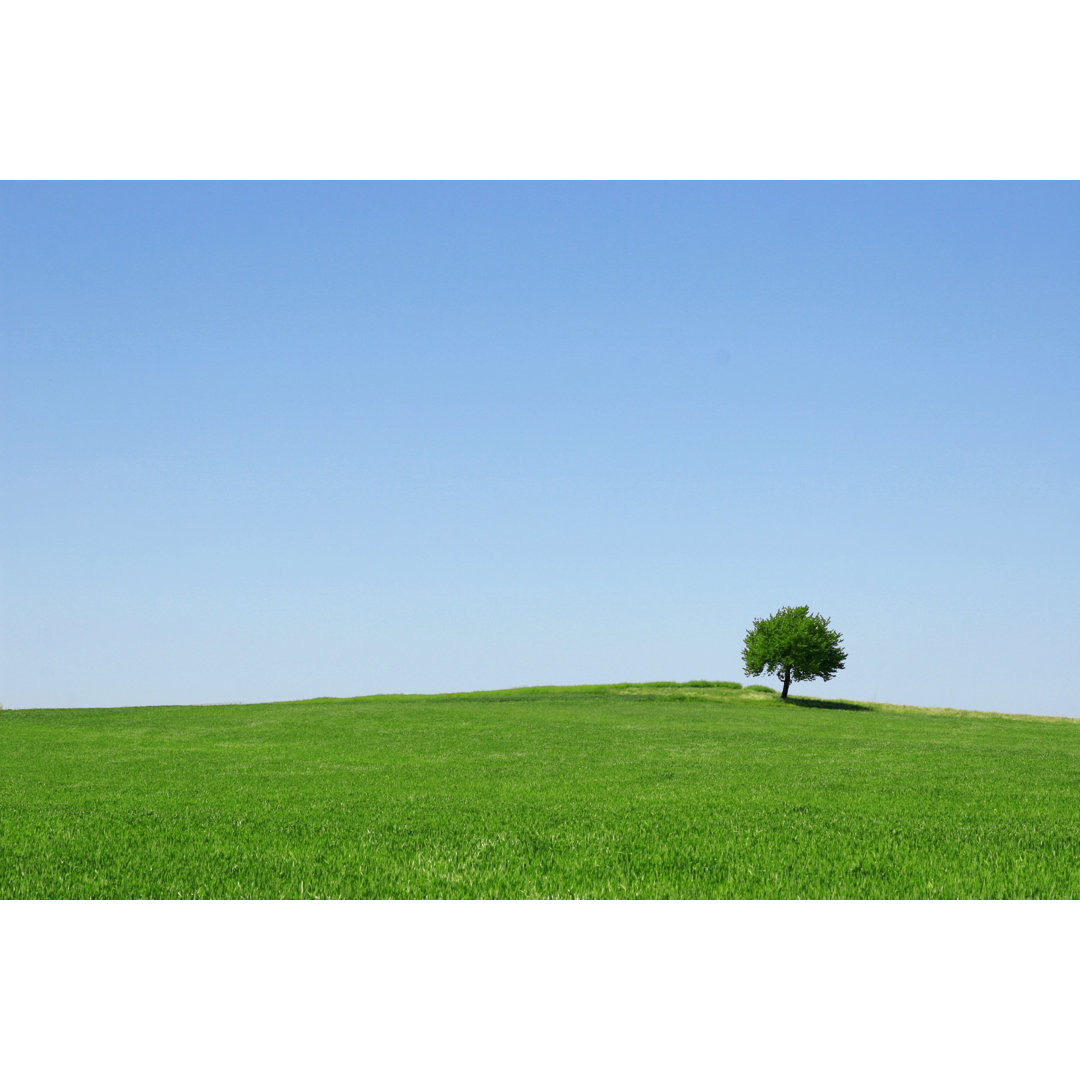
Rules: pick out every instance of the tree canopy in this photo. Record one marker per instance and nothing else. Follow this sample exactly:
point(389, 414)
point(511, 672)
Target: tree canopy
point(793, 645)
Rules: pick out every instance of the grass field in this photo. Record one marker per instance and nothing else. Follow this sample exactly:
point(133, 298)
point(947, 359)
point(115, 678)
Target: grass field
point(630, 791)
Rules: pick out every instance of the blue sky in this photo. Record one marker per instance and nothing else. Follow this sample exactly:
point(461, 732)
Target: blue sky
point(268, 441)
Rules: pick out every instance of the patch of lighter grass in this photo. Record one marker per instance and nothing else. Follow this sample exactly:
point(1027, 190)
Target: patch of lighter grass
point(678, 692)
point(961, 714)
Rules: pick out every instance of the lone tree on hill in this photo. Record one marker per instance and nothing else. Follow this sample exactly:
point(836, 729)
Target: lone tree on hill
point(793, 645)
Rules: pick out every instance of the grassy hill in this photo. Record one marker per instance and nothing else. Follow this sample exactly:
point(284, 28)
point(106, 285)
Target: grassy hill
point(694, 790)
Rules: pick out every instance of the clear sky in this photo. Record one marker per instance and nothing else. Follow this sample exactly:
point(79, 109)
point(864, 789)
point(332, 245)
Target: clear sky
point(270, 441)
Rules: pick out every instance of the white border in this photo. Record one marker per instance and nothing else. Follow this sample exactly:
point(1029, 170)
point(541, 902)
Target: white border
point(538, 989)
point(420, 89)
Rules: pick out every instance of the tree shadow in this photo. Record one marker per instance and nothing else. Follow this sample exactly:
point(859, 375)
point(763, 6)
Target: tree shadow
point(817, 703)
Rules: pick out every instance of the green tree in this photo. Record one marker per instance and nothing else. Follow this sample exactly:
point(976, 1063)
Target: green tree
point(793, 645)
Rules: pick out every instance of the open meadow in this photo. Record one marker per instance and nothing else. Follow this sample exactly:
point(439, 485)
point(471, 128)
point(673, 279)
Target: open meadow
point(698, 790)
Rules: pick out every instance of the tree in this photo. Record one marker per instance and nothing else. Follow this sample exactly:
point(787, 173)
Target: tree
point(793, 645)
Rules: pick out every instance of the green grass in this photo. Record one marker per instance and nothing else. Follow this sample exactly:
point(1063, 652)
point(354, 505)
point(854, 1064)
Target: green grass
point(693, 790)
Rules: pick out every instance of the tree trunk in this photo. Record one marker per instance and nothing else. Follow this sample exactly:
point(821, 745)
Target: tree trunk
point(787, 681)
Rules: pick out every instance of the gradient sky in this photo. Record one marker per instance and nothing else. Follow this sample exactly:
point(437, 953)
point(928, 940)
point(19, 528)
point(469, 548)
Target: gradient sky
point(272, 441)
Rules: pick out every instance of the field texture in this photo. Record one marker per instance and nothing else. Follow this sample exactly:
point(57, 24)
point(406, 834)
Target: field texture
point(644, 791)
